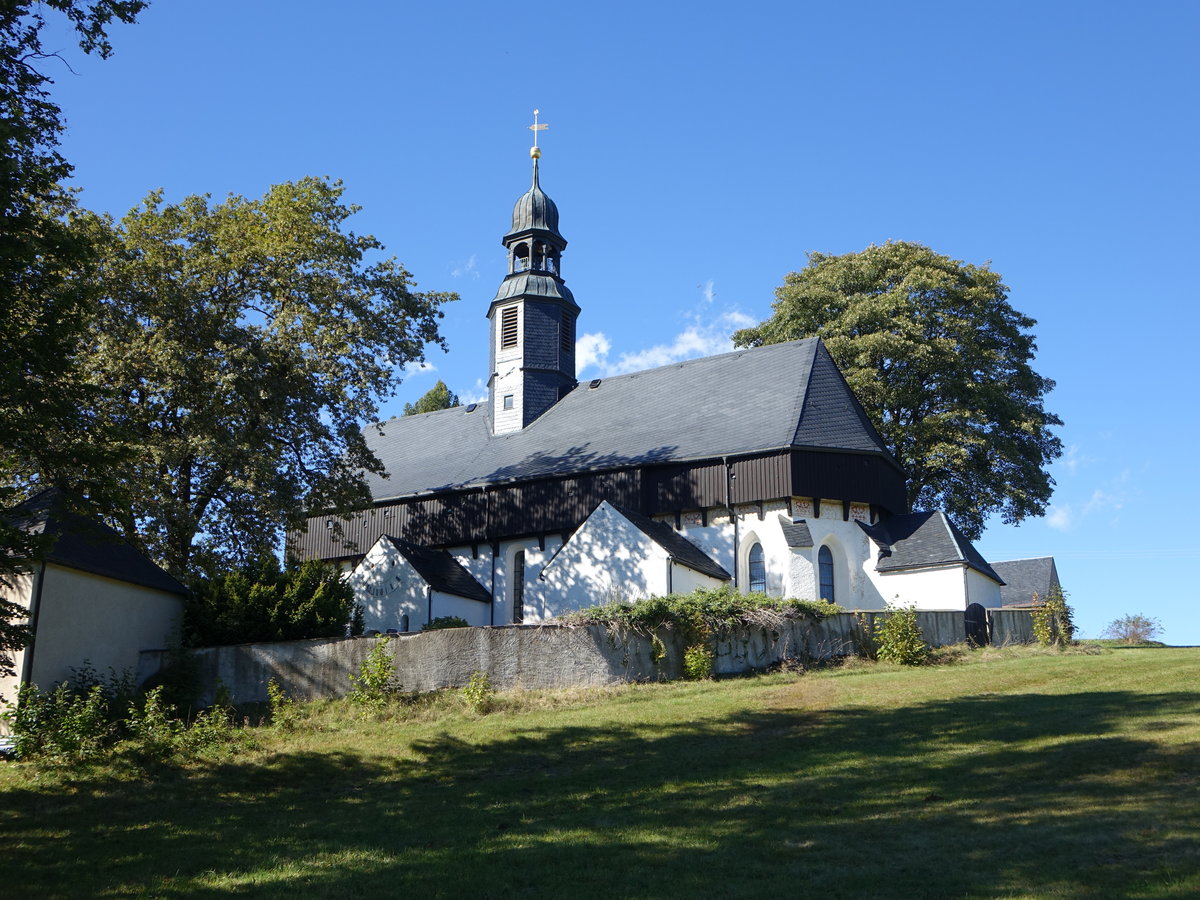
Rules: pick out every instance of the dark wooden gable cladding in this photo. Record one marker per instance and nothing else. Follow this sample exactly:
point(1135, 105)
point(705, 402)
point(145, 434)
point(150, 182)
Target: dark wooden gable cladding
point(557, 505)
point(858, 477)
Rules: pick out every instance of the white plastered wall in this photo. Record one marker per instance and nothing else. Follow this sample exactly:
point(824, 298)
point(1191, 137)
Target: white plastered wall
point(941, 587)
point(609, 559)
point(792, 571)
point(387, 587)
point(538, 605)
point(89, 618)
point(15, 588)
point(981, 590)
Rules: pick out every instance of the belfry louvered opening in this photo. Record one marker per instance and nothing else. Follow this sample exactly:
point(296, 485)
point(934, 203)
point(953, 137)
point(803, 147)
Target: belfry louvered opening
point(567, 334)
point(508, 327)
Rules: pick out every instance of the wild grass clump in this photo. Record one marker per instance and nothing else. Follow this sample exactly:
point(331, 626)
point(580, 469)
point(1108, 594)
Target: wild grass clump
point(68, 727)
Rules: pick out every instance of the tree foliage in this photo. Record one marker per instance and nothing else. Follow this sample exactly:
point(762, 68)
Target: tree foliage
point(248, 341)
point(46, 433)
point(261, 602)
point(437, 397)
point(942, 363)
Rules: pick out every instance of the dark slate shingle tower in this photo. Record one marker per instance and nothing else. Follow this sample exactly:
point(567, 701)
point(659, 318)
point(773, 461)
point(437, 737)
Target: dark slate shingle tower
point(532, 316)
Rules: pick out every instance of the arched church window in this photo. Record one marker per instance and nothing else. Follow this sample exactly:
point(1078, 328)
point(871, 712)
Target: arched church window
point(539, 256)
point(825, 567)
point(758, 570)
point(518, 593)
point(520, 257)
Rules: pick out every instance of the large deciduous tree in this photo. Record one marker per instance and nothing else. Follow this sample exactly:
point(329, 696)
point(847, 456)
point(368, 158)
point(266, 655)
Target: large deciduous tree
point(437, 397)
point(44, 305)
point(247, 341)
point(943, 365)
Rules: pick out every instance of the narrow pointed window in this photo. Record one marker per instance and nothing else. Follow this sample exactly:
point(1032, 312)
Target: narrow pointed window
point(758, 570)
point(825, 565)
point(518, 610)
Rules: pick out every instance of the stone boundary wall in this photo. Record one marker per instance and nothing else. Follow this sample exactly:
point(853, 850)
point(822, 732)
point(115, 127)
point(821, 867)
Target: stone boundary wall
point(534, 656)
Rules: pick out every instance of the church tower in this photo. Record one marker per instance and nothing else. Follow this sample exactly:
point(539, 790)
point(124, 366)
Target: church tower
point(533, 314)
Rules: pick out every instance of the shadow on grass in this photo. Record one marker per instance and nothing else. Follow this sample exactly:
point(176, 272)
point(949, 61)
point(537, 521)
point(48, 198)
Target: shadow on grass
point(989, 796)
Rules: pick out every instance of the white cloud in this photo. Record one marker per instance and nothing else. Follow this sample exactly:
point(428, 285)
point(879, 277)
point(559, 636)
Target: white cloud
point(476, 394)
point(704, 336)
point(1059, 518)
point(465, 268)
point(591, 349)
point(707, 290)
point(1110, 499)
point(412, 370)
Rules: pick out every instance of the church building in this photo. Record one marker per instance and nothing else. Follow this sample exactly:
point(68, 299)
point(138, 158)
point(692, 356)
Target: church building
point(757, 469)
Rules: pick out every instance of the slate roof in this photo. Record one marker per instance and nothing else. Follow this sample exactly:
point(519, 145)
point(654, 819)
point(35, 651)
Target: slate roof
point(536, 285)
point(90, 546)
point(796, 532)
point(679, 548)
point(441, 570)
point(754, 400)
point(1025, 577)
point(534, 211)
point(923, 539)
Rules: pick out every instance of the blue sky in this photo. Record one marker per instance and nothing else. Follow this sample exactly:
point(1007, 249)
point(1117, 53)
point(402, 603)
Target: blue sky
point(697, 152)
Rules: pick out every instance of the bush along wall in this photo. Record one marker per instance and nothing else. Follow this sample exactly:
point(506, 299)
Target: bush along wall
point(704, 623)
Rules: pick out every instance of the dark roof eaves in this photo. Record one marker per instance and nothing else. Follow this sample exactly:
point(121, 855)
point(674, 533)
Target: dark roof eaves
point(911, 567)
point(468, 487)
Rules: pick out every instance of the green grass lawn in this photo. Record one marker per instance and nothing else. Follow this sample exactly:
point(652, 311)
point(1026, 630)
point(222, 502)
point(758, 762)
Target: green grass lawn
point(1009, 774)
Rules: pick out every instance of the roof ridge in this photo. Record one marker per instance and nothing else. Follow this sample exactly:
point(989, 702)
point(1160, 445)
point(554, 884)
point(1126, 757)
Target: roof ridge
point(950, 531)
point(679, 363)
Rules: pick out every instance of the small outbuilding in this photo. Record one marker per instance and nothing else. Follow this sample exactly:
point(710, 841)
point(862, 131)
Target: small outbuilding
point(93, 598)
point(1027, 581)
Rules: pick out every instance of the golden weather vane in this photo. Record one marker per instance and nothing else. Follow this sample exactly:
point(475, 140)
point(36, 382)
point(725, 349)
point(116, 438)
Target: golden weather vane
point(535, 128)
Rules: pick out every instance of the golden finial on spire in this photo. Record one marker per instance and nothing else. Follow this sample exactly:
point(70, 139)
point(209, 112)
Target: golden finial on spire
point(534, 152)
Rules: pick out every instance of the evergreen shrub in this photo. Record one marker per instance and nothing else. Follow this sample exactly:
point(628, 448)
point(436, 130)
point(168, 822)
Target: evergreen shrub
point(263, 602)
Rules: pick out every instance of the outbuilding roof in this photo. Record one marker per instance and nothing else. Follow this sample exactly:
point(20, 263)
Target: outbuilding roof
point(788, 395)
point(921, 540)
point(1025, 577)
point(91, 546)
